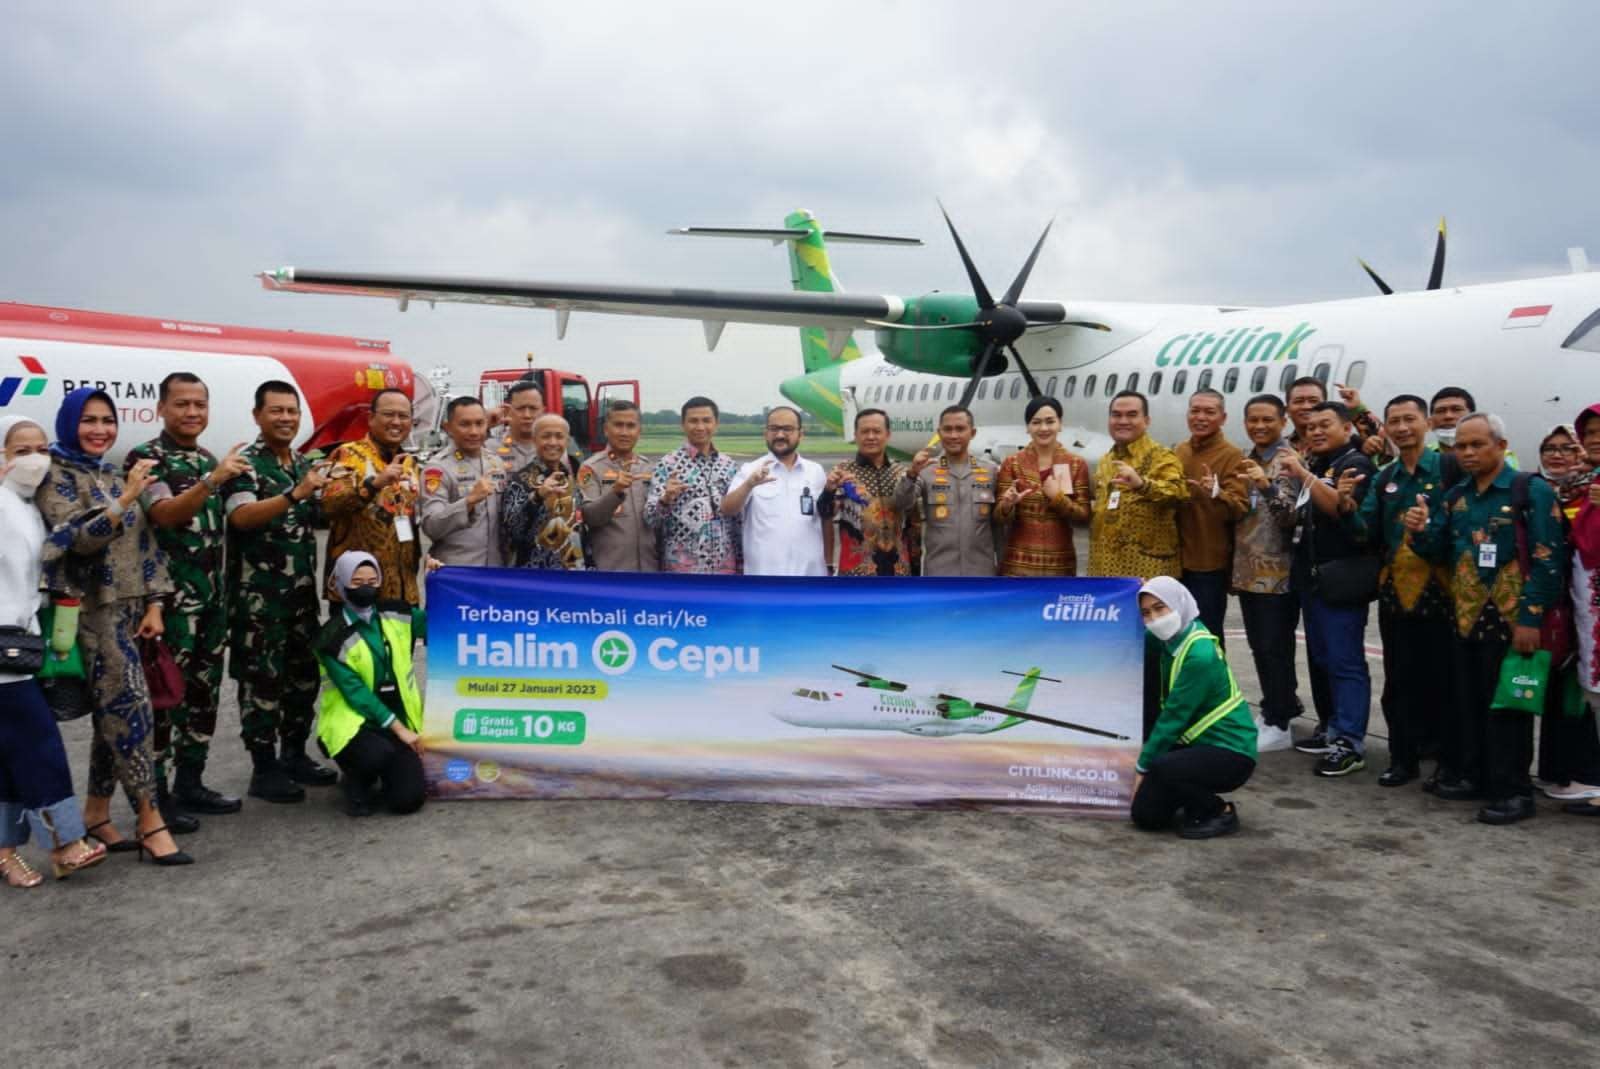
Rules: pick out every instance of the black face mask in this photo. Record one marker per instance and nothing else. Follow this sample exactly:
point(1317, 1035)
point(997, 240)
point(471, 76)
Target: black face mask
point(362, 597)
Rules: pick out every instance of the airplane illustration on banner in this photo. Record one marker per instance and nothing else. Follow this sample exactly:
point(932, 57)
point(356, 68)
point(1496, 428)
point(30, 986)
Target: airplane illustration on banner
point(875, 703)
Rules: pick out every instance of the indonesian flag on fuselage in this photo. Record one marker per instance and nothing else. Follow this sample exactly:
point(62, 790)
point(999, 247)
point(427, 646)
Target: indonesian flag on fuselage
point(1529, 315)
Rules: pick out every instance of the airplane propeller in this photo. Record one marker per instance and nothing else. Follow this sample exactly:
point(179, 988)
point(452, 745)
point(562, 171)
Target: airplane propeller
point(999, 323)
point(1435, 275)
point(1004, 711)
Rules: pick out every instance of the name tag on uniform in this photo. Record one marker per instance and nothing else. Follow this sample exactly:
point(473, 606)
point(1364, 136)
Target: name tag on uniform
point(1114, 500)
point(402, 528)
point(1488, 554)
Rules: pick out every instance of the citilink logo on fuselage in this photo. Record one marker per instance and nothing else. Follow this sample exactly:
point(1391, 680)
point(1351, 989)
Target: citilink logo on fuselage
point(1236, 345)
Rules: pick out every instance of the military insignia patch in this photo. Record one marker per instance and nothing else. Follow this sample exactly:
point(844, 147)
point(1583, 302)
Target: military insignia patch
point(431, 479)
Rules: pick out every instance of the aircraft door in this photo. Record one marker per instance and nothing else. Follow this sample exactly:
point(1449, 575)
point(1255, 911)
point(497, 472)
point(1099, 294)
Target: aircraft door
point(847, 412)
point(1327, 365)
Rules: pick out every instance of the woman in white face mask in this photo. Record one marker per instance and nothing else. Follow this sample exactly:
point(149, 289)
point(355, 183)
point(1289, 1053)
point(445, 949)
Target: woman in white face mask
point(35, 781)
point(1204, 741)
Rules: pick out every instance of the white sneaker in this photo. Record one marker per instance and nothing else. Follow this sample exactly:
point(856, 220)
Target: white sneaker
point(1573, 792)
point(1269, 738)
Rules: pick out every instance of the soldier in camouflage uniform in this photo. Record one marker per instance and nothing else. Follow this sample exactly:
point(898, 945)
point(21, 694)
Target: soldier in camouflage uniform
point(272, 563)
point(186, 514)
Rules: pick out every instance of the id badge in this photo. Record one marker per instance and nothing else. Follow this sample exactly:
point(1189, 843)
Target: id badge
point(808, 505)
point(1114, 500)
point(402, 528)
point(1488, 555)
point(1299, 531)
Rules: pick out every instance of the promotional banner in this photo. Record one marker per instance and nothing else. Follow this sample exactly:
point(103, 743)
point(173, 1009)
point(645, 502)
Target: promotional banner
point(1001, 693)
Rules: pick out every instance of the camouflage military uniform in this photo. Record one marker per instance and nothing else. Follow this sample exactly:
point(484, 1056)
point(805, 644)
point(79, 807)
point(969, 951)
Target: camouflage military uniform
point(197, 620)
point(276, 613)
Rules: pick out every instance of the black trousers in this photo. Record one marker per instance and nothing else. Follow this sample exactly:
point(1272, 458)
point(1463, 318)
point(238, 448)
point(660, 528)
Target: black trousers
point(1188, 779)
point(375, 755)
point(1417, 683)
point(1269, 621)
point(1492, 749)
point(1210, 590)
point(1569, 750)
point(1152, 684)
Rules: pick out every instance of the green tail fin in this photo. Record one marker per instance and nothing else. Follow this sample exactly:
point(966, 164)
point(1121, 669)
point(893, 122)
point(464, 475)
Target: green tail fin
point(811, 272)
point(1024, 692)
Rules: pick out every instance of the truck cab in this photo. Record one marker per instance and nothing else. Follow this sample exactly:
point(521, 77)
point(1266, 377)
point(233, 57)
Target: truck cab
point(565, 392)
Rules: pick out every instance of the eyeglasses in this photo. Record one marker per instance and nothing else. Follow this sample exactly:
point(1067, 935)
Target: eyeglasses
point(1558, 450)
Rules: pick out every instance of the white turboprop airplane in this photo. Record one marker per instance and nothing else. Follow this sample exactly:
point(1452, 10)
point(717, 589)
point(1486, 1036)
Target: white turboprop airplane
point(1528, 350)
point(878, 704)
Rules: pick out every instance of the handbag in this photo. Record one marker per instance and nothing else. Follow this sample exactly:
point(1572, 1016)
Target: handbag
point(161, 674)
point(1523, 680)
point(21, 651)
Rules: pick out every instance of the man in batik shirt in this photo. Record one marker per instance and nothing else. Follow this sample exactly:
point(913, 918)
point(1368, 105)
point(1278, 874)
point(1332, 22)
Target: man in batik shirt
point(859, 496)
point(685, 500)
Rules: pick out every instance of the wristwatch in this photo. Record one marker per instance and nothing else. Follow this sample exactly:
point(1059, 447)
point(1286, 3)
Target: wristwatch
point(370, 485)
point(210, 483)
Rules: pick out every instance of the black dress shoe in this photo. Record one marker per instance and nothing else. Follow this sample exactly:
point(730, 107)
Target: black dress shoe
point(1431, 784)
point(1224, 823)
point(1581, 809)
point(194, 796)
point(178, 822)
point(1458, 790)
point(356, 798)
point(305, 771)
point(1508, 810)
point(1397, 775)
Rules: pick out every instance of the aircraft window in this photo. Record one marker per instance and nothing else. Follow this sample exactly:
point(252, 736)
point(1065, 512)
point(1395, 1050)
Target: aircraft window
point(1356, 374)
point(1324, 370)
point(1179, 381)
point(983, 389)
point(1050, 387)
point(1258, 379)
point(1230, 381)
point(1203, 382)
point(1016, 387)
point(925, 387)
point(900, 392)
point(1584, 337)
point(1071, 386)
point(1133, 382)
point(1155, 382)
point(1111, 385)
point(1290, 373)
point(1088, 386)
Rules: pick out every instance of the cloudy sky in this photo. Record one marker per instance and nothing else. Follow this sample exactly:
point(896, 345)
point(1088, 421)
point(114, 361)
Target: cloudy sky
point(157, 155)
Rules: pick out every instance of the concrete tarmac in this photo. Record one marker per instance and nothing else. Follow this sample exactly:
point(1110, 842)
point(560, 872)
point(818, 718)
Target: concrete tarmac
point(1345, 925)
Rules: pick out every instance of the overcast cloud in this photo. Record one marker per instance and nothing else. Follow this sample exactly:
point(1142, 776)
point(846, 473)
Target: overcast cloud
point(157, 155)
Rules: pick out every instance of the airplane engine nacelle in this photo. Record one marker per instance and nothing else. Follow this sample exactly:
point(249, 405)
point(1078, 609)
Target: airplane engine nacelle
point(937, 352)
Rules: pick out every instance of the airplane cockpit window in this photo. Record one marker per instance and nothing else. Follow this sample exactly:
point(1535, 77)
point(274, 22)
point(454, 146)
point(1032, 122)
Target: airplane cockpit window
point(1111, 385)
point(1258, 379)
point(1585, 337)
point(1155, 382)
point(1230, 381)
point(1290, 373)
point(1203, 382)
point(801, 692)
point(1050, 387)
point(1133, 382)
point(1322, 373)
point(1088, 386)
point(1179, 381)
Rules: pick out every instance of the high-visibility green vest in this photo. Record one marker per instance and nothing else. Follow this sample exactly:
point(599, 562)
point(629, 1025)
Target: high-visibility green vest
point(1226, 706)
point(338, 722)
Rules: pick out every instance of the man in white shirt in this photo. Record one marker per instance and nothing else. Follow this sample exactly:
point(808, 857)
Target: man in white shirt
point(777, 497)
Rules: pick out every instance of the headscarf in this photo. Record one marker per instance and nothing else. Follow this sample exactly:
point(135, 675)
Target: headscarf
point(66, 446)
point(344, 570)
point(1574, 484)
point(1175, 596)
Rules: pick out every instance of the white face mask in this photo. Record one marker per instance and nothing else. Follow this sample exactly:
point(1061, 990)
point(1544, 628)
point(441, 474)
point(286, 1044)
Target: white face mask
point(26, 473)
point(1446, 436)
point(1165, 626)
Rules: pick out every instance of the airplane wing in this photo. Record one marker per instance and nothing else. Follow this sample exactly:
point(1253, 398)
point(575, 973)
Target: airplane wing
point(870, 680)
point(1003, 711)
point(837, 311)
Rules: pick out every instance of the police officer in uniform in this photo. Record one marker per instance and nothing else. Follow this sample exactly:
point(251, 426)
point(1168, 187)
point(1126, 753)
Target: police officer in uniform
point(612, 487)
point(524, 406)
point(460, 507)
point(956, 494)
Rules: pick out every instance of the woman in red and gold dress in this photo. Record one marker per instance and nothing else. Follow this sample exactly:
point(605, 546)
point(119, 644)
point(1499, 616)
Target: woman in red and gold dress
point(1044, 491)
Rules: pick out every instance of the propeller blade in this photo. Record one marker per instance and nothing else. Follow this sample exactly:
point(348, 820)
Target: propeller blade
point(1014, 294)
point(979, 290)
point(870, 678)
point(1436, 276)
point(1027, 375)
point(883, 324)
point(1382, 285)
point(986, 707)
point(978, 368)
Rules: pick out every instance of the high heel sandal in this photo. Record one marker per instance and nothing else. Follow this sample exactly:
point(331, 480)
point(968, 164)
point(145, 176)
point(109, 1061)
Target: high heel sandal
point(16, 872)
point(177, 857)
point(63, 868)
point(121, 846)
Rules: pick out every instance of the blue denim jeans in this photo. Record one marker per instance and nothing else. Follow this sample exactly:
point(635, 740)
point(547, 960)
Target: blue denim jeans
point(1336, 642)
point(35, 782)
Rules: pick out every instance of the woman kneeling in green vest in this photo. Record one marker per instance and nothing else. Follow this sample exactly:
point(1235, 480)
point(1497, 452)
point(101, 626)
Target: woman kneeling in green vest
point(371, 707)
point(1205, 740)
